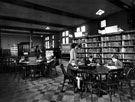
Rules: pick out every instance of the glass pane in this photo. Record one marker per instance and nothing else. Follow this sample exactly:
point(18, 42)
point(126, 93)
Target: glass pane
point(103, 23)
point(48, 44)
point(78, 29)
point(67, 40)
point(53, 37)
point(67, 32)
point(53, 43)
point(63, 40)
point(63, 34)
point(83, 28)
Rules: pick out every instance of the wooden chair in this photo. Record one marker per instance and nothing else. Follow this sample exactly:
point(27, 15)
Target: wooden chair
point(126, 78)
point(88, 81)
point(111, 83)
point(66, 77)
point(53, 66)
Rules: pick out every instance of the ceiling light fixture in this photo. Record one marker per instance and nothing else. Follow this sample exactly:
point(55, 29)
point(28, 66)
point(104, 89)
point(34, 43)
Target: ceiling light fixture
point(47, 28)
point(100, 12)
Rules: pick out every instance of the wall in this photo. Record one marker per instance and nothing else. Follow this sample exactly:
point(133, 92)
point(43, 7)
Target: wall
point(37, 41)
point(120, 19)
point(92, 28)
point(7, 40)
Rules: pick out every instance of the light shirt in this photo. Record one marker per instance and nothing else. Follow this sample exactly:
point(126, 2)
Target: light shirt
point(73, 56)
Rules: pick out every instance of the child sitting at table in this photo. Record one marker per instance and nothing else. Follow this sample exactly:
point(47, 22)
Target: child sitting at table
point(116, 62)
point(22, 59)
point(91, 62)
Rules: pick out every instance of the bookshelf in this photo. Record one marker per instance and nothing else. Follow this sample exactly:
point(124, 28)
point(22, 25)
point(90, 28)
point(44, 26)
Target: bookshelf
point(81, 52)
point(121, 43)
point(90, 45)
point(128, 46)
point(102, 47)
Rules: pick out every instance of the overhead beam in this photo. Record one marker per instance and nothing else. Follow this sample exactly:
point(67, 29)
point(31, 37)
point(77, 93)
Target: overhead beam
point(27, 29)
point(44, 9)
point(14, 32)
point(18, 33)
point(120, 4)
point(23, 20)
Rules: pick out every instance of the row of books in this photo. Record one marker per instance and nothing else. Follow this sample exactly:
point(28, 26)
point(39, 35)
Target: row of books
point(93, 45)
point(93, 50)
point(128, 36)
point(110, 49)
point(127, 50)
point(107, 55)
point(128, 43)
point(129, 56)
point(81, 50)
point(81, 55)
point(117, 37)
point(93, 39)
point(107, 44)
point(120, 56)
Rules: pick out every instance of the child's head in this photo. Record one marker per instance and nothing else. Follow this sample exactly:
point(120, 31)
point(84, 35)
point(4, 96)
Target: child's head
point(91, 58)
point(114, 58)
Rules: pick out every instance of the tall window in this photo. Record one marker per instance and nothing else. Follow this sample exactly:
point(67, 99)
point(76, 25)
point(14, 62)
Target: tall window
point(103, 23)
point(65, 37)
point(53, 41)
point(47, 42)
point(81, 29)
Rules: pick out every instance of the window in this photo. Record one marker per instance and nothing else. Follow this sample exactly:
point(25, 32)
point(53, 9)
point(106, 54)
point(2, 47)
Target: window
point(65, 37)
point(78, 29)
point(47, 42)
point(103, 23)
point(53, 41)
point(81, 29)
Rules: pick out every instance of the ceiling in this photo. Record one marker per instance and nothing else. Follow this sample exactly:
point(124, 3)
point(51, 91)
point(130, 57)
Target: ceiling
point(35, 15)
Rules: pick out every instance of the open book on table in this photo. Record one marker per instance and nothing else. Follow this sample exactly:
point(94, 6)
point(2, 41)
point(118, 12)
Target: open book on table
point(111, 67)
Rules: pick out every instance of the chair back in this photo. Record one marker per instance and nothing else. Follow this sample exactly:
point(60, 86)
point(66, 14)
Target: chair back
point(127, 64)
point(114, 75)
point(130, 74)
point(63, 70)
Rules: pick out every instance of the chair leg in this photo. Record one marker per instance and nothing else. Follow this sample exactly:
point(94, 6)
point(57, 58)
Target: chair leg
point(91, 95)
point(110, 93)
point(120, 98)
point(130, 89)
point(56, 71)
point(63, 84)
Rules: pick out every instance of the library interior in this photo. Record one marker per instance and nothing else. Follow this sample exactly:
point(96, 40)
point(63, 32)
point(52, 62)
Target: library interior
point(67, 50)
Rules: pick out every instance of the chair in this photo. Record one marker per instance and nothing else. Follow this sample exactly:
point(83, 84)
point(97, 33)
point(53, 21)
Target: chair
point(111, 83)
point(35, 71)
point(126, 78)
point(89, 81)
point(66, 77)
point(52, 66)
point(20, 72)
point(42, 68)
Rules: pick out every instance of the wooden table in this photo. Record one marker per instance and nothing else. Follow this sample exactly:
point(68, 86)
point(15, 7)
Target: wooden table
point(100, 71)
point(29, 68)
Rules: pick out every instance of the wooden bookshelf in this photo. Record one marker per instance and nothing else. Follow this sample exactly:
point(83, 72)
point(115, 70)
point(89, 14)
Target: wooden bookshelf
point(122, 44)
point(104, 46)
point(91, 45)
